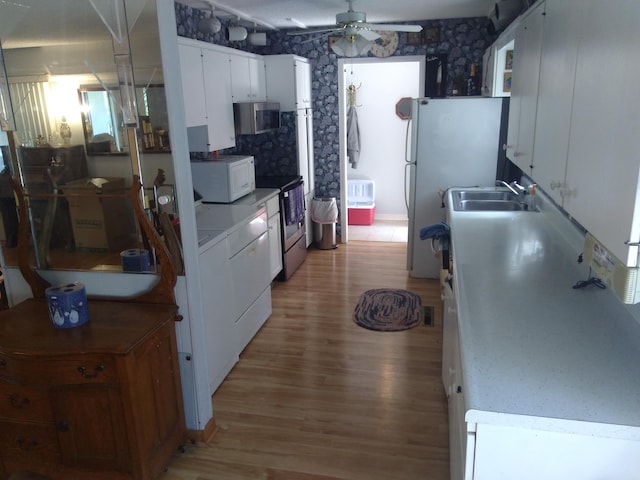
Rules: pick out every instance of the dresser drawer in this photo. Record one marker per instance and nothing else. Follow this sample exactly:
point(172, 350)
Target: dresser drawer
point(34, 371)
point(23, 403)
point(33, 443)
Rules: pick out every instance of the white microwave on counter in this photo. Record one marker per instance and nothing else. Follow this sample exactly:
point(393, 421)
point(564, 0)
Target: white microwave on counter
point(225, 179)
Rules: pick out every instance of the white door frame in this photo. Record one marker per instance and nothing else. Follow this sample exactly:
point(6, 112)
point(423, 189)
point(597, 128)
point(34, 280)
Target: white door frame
point(343, 63)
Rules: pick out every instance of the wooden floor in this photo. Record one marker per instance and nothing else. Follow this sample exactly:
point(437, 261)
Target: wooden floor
point(316, 397)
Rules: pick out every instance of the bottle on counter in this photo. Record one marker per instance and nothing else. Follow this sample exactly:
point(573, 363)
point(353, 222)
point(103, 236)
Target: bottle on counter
point(473, 82)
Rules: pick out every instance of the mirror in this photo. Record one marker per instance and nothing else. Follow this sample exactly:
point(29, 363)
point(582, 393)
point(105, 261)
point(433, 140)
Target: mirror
point(65, 80)
point(103, 125)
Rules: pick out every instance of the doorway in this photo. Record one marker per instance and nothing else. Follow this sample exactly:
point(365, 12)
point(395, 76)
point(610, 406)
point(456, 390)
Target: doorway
point(376, 85)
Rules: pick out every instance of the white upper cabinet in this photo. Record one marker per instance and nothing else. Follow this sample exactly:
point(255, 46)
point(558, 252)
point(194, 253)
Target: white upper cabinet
point(603, 163)
point(195, 110)
point(579, 88)
point(289, 81)
point(206, 85)
point(524, 93)
point(248, 78)
point(302, 72)
point(562, 32)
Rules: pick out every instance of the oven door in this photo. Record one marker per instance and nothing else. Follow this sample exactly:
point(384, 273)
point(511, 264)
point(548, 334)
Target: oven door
point(293, 211)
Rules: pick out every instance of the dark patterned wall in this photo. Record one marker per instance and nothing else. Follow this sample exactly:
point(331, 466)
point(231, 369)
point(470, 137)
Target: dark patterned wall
point(463, 40)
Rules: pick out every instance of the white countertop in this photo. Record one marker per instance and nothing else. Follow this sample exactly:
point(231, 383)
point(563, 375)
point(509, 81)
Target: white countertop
point(215, 220)
point(536, 352)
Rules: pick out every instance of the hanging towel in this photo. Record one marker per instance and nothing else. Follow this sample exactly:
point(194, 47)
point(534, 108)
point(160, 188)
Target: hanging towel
point(294, 205)
point(435, 231)
point(353, 136)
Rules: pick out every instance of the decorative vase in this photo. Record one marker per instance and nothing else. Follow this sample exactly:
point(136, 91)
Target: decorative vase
point(65, 131)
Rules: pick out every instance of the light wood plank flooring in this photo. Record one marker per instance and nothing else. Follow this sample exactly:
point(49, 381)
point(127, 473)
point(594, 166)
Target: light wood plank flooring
point(316, 397)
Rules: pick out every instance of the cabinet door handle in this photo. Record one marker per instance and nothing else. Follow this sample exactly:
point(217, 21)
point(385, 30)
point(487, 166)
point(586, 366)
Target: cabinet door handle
point(26, 445)
point(459, 389)
point(83, 371)
point(62, 426)
point(17, 402)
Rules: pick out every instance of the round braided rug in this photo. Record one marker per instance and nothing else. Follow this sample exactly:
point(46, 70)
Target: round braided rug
point(388, 309)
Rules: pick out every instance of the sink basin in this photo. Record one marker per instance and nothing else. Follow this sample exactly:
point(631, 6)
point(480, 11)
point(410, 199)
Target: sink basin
point(486, 200)
point(486, 195)
point(488, 205)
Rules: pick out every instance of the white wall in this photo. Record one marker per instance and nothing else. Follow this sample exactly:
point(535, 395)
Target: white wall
point(382, 132)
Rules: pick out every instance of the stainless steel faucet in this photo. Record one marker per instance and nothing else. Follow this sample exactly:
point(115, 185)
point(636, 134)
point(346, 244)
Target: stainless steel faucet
point(514, 186)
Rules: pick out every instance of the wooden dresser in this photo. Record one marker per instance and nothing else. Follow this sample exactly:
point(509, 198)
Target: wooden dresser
point(98, 401)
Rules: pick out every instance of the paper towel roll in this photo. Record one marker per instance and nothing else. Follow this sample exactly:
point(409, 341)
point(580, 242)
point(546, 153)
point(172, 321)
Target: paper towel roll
point(67, 305)
point(135, 260)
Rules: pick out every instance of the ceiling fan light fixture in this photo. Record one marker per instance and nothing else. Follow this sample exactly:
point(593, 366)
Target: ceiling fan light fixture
point(351, 46)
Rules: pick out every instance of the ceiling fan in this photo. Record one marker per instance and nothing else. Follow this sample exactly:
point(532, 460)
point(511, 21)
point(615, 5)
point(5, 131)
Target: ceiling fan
point(357, 34)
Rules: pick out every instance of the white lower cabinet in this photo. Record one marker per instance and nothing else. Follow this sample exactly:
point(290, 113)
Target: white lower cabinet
point(508, 452)
point(215, 278)
point(453, 385)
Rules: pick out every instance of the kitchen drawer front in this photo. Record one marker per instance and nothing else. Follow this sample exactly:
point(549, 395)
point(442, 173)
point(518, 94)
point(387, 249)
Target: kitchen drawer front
point(26, 442)
point(23, 403)
point(59, 371)
point(273, 206)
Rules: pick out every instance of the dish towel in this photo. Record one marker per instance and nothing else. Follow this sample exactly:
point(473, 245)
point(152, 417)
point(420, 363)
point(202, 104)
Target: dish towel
point(294, 206)
point(435, 231)
point(353, 137)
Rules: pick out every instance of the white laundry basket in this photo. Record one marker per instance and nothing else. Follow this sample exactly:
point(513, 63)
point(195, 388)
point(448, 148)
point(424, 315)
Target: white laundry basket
point(361, 201)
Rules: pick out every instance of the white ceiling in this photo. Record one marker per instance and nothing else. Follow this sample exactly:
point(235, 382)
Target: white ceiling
point(30, 23)
point(285, 14)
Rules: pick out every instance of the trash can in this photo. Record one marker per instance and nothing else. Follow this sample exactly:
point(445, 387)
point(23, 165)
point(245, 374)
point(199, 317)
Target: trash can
point(324, 214)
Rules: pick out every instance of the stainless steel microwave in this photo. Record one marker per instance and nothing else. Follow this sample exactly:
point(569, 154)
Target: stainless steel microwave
point(251, 118)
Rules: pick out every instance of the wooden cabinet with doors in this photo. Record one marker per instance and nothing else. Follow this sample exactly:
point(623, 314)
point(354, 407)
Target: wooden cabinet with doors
point(102, 400)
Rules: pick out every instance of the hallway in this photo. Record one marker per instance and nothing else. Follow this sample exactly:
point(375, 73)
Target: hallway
point(315, 397)
point(380, 231)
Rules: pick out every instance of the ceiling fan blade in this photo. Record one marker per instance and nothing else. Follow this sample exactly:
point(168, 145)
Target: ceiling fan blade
point(368, 34)
point(382, 27)
point(317, 37)
point(317, 30)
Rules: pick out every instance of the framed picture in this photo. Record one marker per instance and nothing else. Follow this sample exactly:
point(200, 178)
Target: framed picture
point(331, 40)
point(508, 64)
point(414, 38)
point(506, 87)
point(432, 35)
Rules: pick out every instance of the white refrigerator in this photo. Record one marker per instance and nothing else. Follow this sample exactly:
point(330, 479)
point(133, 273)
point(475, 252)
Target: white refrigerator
point(454, 143)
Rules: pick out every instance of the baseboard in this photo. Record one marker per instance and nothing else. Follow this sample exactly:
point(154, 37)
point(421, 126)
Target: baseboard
point(204, 436)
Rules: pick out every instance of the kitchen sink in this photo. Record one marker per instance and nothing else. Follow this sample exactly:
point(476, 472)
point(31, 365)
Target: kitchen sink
point(488, 205)
point(486, 200)
point(485, 195)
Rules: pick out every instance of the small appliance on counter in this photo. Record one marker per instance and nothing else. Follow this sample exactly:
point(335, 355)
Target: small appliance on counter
point(225, 179)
